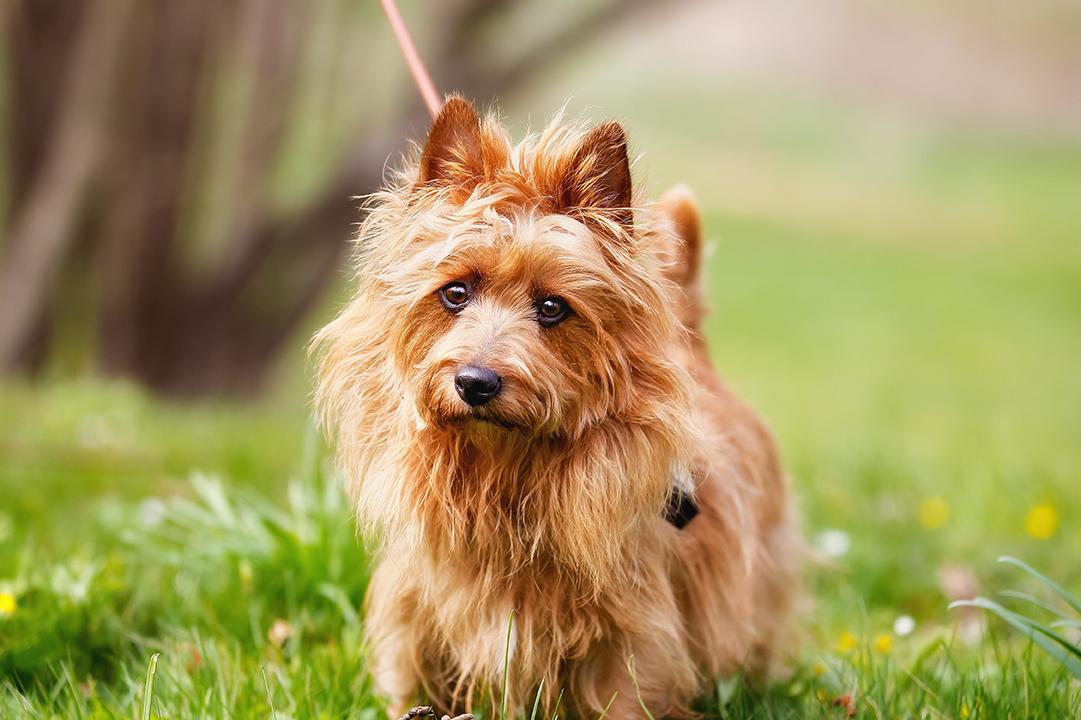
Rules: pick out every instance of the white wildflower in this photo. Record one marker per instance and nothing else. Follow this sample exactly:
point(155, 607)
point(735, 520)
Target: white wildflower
point(904, 626)
point(833, 543)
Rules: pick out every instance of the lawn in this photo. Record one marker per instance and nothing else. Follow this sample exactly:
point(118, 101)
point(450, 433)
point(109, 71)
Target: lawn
point(911, 327)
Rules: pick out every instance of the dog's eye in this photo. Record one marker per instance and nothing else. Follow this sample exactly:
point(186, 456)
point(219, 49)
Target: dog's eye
point(455, 295)
point(551, 310)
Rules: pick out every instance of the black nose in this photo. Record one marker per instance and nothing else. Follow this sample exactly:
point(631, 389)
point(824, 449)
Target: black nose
point(477, 385)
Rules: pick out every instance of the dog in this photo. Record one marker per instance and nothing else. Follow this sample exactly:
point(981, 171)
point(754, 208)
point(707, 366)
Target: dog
point(563, 494)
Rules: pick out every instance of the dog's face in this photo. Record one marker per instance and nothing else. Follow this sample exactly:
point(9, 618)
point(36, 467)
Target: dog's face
point(512, 290)
point(516, 328)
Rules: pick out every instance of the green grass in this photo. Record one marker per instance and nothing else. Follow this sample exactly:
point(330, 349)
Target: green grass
point(909, 322)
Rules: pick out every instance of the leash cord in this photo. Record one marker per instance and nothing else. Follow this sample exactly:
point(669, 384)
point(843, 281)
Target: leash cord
point(412, 57)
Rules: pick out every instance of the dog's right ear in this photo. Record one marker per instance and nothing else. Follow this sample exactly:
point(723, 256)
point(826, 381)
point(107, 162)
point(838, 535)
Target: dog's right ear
point(454, 154)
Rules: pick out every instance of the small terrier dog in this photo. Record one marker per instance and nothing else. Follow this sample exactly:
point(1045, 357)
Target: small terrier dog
point(529, 424)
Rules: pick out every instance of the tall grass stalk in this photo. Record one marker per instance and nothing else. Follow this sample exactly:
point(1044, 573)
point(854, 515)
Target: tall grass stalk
point(506, 668)
point(148, 686)
point(1045, 636)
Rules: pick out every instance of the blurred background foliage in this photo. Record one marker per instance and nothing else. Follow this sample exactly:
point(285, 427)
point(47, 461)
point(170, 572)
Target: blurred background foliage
point(179, 177)
point(893, 196)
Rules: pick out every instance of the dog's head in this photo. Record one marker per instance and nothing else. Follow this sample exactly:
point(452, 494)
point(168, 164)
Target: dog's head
point(508, 289)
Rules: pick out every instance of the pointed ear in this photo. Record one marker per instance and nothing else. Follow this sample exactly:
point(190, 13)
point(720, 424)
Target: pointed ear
point(678, 206)
point(599, 176)
point(453, 154)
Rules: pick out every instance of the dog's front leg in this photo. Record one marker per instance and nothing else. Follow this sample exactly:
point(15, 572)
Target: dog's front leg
point(651, 671)
point(392, 670)
point(394, 652)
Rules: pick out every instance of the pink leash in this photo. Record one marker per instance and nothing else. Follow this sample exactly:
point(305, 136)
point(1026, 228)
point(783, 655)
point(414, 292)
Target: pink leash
point(412, 58)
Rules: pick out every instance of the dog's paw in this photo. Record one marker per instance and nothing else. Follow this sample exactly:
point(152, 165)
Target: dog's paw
point(418, 712)
point(423, 711)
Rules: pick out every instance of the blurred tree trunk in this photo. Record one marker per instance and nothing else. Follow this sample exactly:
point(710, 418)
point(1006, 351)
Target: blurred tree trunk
point(56, 139)
point(108, 153)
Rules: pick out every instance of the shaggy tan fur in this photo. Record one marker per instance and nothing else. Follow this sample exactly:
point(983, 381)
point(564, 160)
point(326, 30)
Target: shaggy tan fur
point(548, 501)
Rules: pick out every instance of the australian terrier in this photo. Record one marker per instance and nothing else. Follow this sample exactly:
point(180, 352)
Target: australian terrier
point(529, 425)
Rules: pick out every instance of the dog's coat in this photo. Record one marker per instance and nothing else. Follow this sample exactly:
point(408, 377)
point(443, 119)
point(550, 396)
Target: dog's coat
point(549, 501)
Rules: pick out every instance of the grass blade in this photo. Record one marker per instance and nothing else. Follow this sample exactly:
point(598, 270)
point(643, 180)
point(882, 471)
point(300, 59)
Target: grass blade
point(1032, 599)
point(75, 699)
point(148, 686)
point(24, 702)
point(1047, 582)
point(637, 688)
point(559, 699)
point(536, 700)
point(604, 713)
point(506, 669)
point(1033, 624)
point(269, 695)
point(1068, 654)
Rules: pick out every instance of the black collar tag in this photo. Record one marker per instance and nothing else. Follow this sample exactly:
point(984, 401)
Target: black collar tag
point(681, 508)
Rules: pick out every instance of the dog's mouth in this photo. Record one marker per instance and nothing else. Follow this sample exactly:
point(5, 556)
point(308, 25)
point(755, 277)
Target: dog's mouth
point(484, 417)
point(445, 411)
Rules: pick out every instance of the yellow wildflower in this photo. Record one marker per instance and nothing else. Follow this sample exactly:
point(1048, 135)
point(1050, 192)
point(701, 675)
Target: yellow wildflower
point(883, 644)
point(847, 642)
point(7, 604)
point(818, 669)
point(1041, 522)
point(934, 512)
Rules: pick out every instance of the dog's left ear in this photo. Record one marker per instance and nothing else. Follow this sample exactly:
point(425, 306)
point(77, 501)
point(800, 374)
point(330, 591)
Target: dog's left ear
point(453, 155)
point(598, 177)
